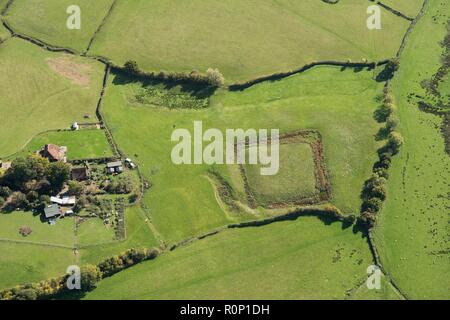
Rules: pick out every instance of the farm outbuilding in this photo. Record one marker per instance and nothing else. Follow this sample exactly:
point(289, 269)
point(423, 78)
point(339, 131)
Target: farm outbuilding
point(65, 201)
point(114, 167)
point(80, 174)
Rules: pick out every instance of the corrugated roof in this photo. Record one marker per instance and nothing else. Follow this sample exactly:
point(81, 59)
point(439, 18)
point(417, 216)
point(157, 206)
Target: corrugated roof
point(114, 164)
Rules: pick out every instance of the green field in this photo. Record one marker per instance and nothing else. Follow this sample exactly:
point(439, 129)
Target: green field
point(182, 202)
point(60, 234)
point(43, 254)
point(332, 108)
point(93, 231)
point(408, 7)
point(3, 4)
point(45, 99)
point(287, 260)
point(83, 144)
point(4, 34)
point(46, 20)
point(294, 181)
point(412, 233)
point(25, 263)
point(260, 37)
point(139, 235)
point(387, 292)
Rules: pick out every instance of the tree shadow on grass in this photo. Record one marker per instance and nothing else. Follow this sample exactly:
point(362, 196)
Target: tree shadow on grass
point(196, 90)
point(70, 295)
point(385, 75)
point(327, 218)
point(382, 134)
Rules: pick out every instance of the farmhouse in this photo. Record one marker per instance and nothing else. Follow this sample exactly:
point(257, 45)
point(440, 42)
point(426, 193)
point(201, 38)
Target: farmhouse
point(80, 174)
point(54, 153)
point(114, 167)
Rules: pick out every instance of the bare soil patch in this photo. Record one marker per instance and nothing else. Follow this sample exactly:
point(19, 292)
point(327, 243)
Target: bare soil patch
point(78, 73)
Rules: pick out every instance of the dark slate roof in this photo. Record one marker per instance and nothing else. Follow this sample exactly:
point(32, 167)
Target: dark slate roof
point(52, 211)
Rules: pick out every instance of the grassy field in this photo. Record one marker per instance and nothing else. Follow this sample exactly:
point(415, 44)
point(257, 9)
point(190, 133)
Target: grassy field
point(4, 34)
point(287, 260)
point(46, 20)
point(25, 263)
point(93, 231)
point(408, 7)
point(139, 235)
point(306, 258)
point(38, 257)
point(60, 234)
point(260, 37)
point(413, 231)
point(36, 97)
point(294, 181)
point(3, 4)
point(182, 202)
point(83, 144)
point(387, 292)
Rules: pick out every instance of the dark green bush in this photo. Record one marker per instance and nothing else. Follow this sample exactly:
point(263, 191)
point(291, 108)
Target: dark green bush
point(5, 192)
point(372, 205)
point(395, 141)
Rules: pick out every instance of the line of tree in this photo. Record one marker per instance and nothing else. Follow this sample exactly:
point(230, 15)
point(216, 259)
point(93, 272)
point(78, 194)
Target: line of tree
point(90, 276)
point(213, 77)
point(374, 190)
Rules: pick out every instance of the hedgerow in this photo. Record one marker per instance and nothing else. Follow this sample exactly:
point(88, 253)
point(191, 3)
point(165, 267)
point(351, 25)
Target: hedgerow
point(374, 191)
point(90, 275)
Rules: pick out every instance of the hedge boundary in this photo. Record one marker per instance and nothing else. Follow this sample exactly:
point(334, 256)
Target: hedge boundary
point(392, 10)
point(326, 212)
point(282, 75)
point(99, 28)
point(56, 287)
point(370, 228)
